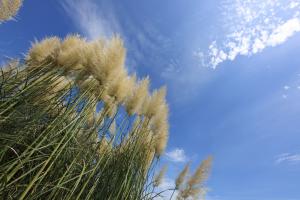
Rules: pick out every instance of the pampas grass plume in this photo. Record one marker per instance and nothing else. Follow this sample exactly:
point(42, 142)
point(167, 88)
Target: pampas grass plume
point(201, 173)
point(181, 177)
point(156, 100)
point(161, 139)
point(134, 103)
point(71, 55)
point(159, 177)
point(39, 51)
point(9, 8)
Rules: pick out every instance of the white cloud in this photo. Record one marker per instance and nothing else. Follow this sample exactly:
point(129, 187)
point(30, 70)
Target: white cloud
point(250, 26)
point(283, 32)
point(286, 87)
point(176, 155)
point(90, 19)
point(287, 158)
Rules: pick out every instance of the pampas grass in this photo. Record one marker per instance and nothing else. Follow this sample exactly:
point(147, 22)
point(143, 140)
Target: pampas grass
point(63, 135)
point(75, 125)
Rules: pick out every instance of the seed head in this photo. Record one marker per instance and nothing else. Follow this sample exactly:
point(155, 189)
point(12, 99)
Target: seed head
point(159, 177)
point(181, 177)
point(201, 173)
point(120, 88)
point(157, 99)
point(161, 139)
point(134, 103)
point(71, 54)
point(9, 8)
point(47, 48)
point(108, 60)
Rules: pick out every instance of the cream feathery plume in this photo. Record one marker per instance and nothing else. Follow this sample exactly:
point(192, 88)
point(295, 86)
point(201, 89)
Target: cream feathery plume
point(39, 51)
point(125, 88)
point(159, 177)
point(181, 177)
point(9, 8)
point(157, 99)
point(201, 173)
point(121, 88)
point(95, 59)
point(108, 61)
point(194, 186)
point(161, 139)
point(115, 56)
point(135, 102)
point(160, 118)
point(71, 54)
point(159, 124)
point(195, 192)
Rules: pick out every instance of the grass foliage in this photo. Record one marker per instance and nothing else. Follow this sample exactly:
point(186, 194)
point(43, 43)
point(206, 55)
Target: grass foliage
point(75, 125)
point(54, 145)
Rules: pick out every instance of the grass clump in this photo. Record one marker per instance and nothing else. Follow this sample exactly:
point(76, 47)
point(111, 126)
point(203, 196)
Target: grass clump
point(74, 124)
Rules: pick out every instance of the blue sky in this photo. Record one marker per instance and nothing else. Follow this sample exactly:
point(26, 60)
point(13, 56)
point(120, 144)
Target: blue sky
point(232, 68)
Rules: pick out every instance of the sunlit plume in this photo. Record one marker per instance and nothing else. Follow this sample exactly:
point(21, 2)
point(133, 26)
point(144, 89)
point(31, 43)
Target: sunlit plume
point(156, 100)
point(140, 92)
point(121, 88)
point(71, 54)
point(181, 177)
point(159, 177)
point(9, 8)
point(108, 61)
point(39, 51)
point(157, 111)
point(201, 173)
point(195, 184)
point(161, 139)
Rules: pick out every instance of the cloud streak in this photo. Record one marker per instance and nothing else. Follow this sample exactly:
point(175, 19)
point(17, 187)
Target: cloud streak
point(90, 19)
point(287, 158)
point(250, 27)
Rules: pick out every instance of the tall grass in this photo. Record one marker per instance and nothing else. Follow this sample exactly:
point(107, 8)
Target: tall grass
point(75, 125)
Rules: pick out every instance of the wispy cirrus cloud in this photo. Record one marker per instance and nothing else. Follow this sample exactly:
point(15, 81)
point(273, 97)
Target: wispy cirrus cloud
point(92, 18)
point(287, 158)
point(176, 155)
point(251, 26)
